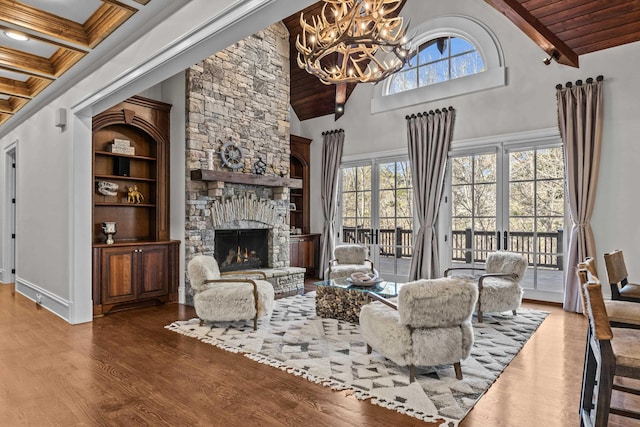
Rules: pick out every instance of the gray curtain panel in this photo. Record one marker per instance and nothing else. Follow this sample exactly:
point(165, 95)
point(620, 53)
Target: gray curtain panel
point(580, 120)
point(429, 137)
point(331, 156)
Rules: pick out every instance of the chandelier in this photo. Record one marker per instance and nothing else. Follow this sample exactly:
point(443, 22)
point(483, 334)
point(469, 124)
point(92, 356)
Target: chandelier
point(340, 45)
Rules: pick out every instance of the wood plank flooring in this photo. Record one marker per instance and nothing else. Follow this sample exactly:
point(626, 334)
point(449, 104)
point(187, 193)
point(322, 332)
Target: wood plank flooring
point(125, 369)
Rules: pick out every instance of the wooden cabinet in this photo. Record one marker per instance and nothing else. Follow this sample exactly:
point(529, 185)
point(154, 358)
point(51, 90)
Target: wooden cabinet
point(304, 251)
point(299, 168)
point(131, 275)
point(139, 266)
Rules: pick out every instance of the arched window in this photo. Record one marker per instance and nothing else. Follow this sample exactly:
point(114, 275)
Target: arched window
point(438, 60)
point(455, 55)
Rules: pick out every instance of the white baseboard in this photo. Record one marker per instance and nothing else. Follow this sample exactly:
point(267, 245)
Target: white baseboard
point(46, 299)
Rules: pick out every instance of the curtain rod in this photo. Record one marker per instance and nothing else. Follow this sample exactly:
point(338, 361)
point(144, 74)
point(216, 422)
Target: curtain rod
point(437, 111)
point(332, 131)
point(579, 82)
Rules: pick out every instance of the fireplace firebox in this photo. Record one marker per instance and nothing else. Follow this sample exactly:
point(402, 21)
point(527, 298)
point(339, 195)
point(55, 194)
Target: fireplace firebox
point(241, 249)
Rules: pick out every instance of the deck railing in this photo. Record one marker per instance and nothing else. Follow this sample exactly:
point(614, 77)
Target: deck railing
point(549, 246)
point(398, 242)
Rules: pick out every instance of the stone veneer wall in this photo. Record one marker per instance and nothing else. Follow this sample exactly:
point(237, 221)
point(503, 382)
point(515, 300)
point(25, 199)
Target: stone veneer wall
point(240, 94)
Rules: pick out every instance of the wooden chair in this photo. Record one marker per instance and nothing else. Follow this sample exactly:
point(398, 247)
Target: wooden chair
point(622, 314)
point(611, 352)
point(621, 289)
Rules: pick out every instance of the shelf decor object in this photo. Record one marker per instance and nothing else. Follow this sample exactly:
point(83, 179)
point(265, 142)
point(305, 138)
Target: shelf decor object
point(109, 229)
point(231, 155)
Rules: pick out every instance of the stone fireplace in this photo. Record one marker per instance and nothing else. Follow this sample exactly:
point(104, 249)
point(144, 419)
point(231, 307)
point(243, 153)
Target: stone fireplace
point(241, 96)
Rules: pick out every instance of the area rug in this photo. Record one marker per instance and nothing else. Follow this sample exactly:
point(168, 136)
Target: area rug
point(332, 353)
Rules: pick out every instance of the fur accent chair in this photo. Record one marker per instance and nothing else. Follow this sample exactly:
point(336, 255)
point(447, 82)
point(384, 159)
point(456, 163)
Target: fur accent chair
point(430, 325)
point(228, 297)
point(349, 259)
point(499, 286)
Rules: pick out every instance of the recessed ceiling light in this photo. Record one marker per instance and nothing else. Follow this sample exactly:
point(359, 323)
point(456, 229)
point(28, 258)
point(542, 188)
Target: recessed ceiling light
point(16, 36)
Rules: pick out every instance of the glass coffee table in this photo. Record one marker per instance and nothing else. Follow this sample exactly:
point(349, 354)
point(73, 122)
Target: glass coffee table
point(339, 299)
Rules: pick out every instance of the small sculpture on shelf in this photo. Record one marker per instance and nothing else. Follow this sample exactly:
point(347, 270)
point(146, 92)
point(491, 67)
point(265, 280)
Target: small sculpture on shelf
point(260, 167)
point(134, 196)
point(109, 229)
point(280, 172)
point(107, 188)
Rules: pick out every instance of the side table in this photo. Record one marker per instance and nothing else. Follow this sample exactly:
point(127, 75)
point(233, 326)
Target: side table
point(338, 299)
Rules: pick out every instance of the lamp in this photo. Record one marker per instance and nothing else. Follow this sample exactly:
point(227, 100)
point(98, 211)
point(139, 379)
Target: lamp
point(554, 56)
point(340, 44)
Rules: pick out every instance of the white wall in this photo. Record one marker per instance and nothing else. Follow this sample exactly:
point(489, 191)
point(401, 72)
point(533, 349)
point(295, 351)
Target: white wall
point(527, 102)
point(54, 194)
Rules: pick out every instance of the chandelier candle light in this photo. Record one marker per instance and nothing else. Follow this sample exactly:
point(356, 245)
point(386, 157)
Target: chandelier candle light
point(340, 45)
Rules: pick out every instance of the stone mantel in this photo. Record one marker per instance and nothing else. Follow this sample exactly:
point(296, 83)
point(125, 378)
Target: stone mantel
point(244, 178)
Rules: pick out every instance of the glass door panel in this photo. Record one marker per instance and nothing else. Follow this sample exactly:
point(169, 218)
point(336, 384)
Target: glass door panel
point(474, 208)
point(377, 210)
point(356, 206)
point(395, 220)
point(513, 200)
point(536, 215)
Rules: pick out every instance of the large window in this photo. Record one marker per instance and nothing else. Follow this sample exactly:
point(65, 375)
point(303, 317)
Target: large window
point(438, 60)
point(455, 55)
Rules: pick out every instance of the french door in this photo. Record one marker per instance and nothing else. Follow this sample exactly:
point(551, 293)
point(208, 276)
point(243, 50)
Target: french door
point(510, 198)
point(376, 209)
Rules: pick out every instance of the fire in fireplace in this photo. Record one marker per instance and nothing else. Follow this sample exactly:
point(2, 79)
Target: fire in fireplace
point(241, 249)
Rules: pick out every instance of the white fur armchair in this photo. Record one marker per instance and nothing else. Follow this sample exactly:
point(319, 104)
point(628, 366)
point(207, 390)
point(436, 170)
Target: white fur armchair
point(231, 298)
point(430, 325)
point(349, 259)
point(499, 285)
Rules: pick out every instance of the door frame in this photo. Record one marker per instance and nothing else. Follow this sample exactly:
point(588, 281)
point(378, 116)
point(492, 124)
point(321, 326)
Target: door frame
point(499, 144)
point(373, 161)
point(9, 245)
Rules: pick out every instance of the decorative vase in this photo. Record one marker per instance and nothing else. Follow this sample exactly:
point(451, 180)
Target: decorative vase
point(109, 229)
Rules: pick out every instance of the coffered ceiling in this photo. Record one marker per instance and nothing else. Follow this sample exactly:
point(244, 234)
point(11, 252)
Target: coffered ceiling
point(59, 33)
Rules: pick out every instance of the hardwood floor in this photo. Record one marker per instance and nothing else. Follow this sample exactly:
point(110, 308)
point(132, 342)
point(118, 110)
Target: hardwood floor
point(126, 369)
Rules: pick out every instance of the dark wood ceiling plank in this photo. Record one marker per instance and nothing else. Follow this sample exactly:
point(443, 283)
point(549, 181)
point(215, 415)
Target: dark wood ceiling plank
point(109, 16)
point(588, 15)
point(607, 36)
point(629, 22)
point(39, 21)
point(533, 28)
point(22, 61)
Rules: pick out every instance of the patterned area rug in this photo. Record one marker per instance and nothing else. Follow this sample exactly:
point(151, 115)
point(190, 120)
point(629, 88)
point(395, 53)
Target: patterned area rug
point(333, 353)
